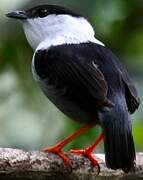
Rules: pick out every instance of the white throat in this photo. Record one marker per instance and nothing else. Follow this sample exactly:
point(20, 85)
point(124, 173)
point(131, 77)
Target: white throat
point(53, 30)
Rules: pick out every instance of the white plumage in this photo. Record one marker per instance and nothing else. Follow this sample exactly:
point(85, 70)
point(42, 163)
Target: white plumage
point(53, 30)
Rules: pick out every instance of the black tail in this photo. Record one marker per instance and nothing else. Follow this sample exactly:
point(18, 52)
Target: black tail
point(118, 142)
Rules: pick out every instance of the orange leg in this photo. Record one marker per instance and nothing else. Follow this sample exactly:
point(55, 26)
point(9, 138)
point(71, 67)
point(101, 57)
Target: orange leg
point(88, 152)
point(58, 147)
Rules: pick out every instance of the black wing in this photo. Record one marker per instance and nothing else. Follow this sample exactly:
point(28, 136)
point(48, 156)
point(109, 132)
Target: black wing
point(65, 68)
point(131, 94)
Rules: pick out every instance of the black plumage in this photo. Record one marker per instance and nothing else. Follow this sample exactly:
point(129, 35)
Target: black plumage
point(45, 10)
point(88, 83)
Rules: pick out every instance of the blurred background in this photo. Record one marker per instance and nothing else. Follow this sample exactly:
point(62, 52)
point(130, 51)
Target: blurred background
point(27, 119)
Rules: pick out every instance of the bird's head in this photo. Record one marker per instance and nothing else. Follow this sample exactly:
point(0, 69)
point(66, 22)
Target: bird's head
point(47, 25)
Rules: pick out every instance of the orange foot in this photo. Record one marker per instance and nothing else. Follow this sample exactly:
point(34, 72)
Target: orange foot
point(57, 150)
point(87, 153)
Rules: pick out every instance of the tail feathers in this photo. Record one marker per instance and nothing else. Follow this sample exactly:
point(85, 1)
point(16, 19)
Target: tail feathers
point(119, 144)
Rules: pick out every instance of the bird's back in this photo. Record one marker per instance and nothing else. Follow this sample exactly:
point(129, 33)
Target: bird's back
point(74, 89)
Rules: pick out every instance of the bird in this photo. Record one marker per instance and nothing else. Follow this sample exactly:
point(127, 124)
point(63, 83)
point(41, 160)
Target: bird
point(84, 80)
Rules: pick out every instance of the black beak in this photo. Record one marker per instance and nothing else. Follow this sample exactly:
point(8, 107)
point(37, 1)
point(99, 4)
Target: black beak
point(17, 15)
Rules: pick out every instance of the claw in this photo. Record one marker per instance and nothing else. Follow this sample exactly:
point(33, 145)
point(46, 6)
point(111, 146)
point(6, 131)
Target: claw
point(57, 148)
point(57, 151)
point(87, 154)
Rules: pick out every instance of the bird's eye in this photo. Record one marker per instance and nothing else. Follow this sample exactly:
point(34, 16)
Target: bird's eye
point(43, 13)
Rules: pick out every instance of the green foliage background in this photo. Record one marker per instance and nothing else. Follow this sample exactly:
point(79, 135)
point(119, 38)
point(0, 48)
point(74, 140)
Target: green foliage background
point(27, 119)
